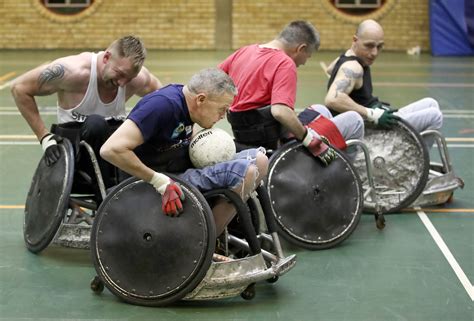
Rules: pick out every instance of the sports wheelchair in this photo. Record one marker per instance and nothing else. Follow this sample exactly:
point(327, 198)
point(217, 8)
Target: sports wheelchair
point(314, 207)
point(141, 255)
point(400, 170)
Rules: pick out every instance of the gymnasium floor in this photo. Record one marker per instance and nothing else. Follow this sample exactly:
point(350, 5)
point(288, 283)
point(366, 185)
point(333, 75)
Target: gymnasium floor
point(420, 267)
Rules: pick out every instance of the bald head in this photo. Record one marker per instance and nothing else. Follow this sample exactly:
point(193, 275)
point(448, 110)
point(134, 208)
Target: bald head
point(368, 28)
point(368, 41)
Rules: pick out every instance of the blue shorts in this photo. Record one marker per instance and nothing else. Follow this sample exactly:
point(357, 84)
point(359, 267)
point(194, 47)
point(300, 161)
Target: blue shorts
point(223, 175)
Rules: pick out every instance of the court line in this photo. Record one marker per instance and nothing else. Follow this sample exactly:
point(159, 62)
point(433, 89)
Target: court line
point(460, 139)
point(8, 83)
point(7, 75)
point(421, 64)
point(440, 210)
point(423, 84)
point(447, 254)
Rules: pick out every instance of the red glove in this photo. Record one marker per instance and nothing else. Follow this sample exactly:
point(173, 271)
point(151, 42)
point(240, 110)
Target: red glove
point(171, 199)
point(318, 147)
point(171, 194)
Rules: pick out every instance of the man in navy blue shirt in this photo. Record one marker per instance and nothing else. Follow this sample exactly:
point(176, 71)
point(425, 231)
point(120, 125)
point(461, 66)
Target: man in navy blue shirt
point(162, 123)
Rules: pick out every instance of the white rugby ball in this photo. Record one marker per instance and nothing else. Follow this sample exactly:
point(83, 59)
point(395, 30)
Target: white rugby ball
point(211, 146)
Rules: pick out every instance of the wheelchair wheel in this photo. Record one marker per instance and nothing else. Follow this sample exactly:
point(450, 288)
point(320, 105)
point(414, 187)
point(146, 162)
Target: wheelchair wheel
point(145, 257)
point(400, 162)
point(47, 200)
point(315, 207)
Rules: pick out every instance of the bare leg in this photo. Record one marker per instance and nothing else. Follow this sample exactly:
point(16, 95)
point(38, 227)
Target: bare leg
point(224, 211)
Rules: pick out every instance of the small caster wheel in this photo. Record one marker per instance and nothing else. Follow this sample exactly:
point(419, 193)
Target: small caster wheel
point(273, 279)
point(249, 292)
point(380, 222)
point(97, 286)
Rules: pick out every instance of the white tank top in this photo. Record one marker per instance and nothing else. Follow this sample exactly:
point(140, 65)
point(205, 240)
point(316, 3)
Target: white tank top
point(91, 103)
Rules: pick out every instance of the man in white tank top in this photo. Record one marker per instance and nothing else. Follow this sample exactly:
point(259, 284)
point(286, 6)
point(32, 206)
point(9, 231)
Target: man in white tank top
point(91, 88)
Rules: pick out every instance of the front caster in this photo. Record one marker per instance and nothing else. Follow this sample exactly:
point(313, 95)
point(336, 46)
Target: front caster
point(249, 292)
point(97, 286)
point(380, 221)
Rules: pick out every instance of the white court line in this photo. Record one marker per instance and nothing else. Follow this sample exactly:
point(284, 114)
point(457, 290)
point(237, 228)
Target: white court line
point(460, 145)
point(457, 116)
point(447, 254)
point(18, 143)
point(7, 84)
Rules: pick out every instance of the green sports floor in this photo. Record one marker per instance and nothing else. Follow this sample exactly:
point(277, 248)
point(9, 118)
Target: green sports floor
point(420, 267)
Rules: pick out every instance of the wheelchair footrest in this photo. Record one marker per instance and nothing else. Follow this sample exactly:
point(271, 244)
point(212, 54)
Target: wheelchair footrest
point(284, 264)
point(228, 279)
point(74, 236)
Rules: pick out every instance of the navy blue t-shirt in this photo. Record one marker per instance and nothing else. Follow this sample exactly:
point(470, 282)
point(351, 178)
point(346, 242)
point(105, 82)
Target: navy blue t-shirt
point(163, 118)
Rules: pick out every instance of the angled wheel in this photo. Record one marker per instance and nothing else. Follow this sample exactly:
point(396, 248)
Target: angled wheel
point(47, 200)
point(145, 257)
point(400, 163)
point(315, 207)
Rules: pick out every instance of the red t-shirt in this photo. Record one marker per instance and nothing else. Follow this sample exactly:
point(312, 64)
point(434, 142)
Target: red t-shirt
point(263, 77)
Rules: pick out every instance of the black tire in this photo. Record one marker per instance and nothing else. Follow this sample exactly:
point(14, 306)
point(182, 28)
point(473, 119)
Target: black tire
point(48, 199)
point(308, 215)
point(164, 264)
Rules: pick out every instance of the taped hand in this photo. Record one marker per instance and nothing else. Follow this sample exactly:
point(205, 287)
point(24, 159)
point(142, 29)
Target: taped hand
point(318, 146)
point(49, 143)
point(171, 194)
point(381, 117)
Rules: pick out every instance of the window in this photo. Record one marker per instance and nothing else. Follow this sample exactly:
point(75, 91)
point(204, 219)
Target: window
point(358, 7)
point(67, 7)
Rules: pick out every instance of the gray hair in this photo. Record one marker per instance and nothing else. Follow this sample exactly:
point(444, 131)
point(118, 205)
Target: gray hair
point(130, 47)
point(213, 82)
point(300, 32)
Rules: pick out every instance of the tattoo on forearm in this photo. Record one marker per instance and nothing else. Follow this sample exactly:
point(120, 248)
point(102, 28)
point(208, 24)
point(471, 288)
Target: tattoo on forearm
point(51, 73)
point(351, 74)
point(342, 85)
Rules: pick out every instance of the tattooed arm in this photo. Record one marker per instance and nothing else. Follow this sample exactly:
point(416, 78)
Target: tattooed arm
point(348, 78)
point(41, 81)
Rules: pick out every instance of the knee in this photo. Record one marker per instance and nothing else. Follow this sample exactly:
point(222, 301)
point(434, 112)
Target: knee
point(431, 102)
point(358, 124)
point(437, 118)
point(262, 166)
point(323, 110)
point(94, 126)
point(435, 111)
point(255, 174)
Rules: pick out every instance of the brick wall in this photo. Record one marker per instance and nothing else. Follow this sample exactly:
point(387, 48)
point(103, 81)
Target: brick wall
point(406, 22)
point(164, 24)
point(190, 24)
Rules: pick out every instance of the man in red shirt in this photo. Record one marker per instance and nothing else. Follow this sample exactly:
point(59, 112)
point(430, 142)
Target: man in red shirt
point(266, 78)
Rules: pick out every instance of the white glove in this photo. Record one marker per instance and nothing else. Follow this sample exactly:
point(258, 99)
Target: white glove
point(47, 141)
point(159, 182)
point(308, 138)
point(374, 114)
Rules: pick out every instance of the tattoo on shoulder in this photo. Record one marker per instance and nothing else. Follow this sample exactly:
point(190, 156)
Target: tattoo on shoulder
point(351, 74)
point(51, 73)
point(342, 85)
